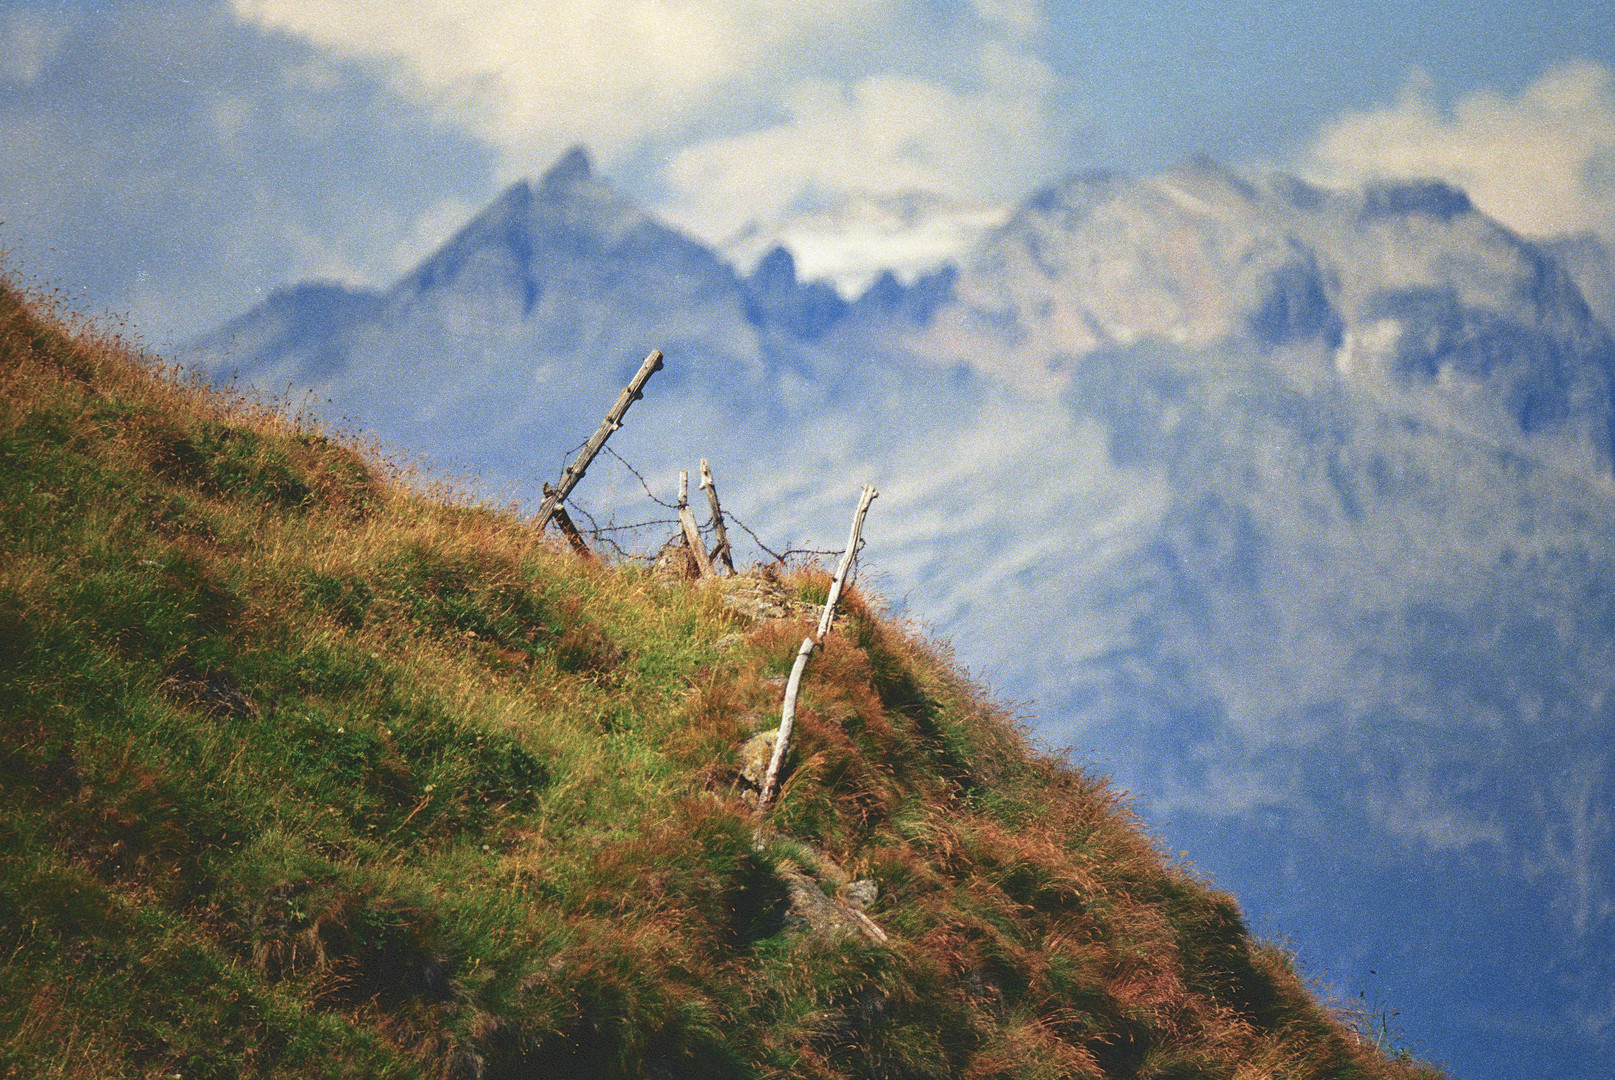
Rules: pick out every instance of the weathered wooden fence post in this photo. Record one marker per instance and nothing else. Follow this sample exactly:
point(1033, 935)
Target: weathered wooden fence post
point(788, 710)
point(692, 534)
point(722, 550)
point(569, 530)
point(866, 497)
point(574, 472)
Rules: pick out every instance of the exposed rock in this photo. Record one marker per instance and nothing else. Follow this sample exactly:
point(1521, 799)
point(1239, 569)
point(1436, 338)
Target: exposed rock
point(729, 642)
point(755, 754)
point(861, 893)
point(809, 911)
point(676, 560)
point(214, 692)
point(756, 597)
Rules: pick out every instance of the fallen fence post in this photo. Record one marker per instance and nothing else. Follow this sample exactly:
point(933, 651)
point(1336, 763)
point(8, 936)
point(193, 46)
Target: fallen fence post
point(574, 472)
point(569, 530)
point(788, 711)
point(722, 550)
point(692, 535)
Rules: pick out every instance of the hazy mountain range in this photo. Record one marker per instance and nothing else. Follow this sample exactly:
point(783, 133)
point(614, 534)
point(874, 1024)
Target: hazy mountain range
point(1290, 507)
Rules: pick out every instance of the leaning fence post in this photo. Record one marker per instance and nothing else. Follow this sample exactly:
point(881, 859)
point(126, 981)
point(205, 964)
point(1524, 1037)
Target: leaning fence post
point(692, 535)
point(574, 472)
point(866, 497)
point(788, 711)
point(569, 530)
point(722, 550)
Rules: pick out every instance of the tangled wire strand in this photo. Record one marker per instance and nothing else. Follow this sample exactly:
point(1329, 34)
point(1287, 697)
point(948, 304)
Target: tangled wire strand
point(606, 535)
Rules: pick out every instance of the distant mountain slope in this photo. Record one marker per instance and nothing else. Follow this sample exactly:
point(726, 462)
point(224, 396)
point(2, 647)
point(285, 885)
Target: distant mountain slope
point(305, 775)
point(1590, 263)
point(548, 298)
point(1293, 507)
point(1443, 314)
point(1319, 556)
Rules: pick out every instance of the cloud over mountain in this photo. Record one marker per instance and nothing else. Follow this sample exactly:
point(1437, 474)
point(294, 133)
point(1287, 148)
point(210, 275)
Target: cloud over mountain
point(754, 109)
point(1541, 161)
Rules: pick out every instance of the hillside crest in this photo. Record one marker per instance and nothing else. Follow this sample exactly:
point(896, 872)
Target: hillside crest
point(310, 773)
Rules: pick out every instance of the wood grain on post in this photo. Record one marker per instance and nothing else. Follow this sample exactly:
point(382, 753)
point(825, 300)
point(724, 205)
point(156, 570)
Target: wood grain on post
point(722, 550)
point(866, 497)
point(692, 535)
point(574, 472)
point(787, 718)
point(569, 530)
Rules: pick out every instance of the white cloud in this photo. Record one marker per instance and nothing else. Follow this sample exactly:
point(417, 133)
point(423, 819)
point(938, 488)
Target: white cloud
point(1542, 162)
point(163, 161)
point(750, 110)
point(882, 135)
point(852, 239)
point(609, 72)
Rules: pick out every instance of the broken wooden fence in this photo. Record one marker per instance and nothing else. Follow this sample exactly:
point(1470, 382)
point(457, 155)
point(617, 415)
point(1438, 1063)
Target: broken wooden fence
point(553, 510)
point(722, 551)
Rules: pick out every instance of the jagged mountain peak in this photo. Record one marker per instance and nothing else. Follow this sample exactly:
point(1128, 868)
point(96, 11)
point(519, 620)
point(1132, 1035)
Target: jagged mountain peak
point(570, 213)
point(1431, 198)
point(778, 266)
point(572, 167)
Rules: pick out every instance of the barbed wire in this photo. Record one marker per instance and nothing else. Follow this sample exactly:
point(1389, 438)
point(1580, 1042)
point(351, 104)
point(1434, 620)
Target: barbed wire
point(607, 534)
point(640, 477)
point(780, 557)
point(566, 457)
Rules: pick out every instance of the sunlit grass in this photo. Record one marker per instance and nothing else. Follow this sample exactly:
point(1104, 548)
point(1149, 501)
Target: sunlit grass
point(311, 769)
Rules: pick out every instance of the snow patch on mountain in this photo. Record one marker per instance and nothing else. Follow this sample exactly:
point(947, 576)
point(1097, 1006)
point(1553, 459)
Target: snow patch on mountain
point(855, 238)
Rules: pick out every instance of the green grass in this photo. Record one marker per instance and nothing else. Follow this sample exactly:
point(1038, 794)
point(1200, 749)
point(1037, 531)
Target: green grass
point(305, 773)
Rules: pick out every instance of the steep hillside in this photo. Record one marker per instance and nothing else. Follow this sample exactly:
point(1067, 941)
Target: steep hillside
point(307, 773)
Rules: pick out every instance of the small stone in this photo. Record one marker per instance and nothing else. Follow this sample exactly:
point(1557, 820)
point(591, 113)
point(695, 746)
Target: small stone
point(754, 598)
point(675, 560)
point(729, 641)
point(861, 893)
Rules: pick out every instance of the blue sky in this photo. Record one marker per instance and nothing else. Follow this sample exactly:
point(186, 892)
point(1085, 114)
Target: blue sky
point(177, 160)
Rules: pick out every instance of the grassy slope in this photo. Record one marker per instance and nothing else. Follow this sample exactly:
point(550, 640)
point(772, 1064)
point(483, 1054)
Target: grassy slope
point(305, 774)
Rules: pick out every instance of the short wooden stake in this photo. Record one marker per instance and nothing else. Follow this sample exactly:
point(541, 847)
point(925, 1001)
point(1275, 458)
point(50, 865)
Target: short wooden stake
point(692, 535)
point(574, 472)
point(722, 550)
point(787, 718)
